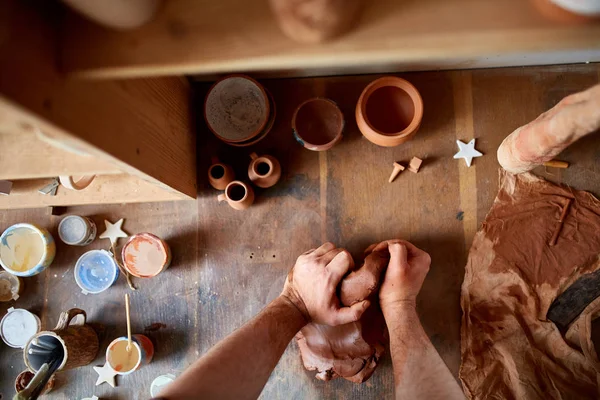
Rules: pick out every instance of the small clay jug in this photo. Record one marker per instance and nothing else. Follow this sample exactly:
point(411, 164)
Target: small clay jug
point(238, 195)
point(79, 342)
point(264, 171)
point(220, 175)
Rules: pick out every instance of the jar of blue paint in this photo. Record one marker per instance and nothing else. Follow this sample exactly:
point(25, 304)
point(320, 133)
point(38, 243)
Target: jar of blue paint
point(96, 271)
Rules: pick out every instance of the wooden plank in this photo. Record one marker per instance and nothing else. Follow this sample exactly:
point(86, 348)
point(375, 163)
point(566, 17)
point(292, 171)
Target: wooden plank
point(111, 189)
point(25, 153)
point(141, 126)
point(199, 37)
point(223, 270)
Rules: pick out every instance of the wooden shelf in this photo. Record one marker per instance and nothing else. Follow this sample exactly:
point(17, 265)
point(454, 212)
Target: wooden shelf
point(25, 156)
point(112, 189)
point(206, 37)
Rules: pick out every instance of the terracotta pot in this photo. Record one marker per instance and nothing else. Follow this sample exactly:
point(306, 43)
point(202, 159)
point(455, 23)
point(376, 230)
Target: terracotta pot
point(236, 109)
point(264, 171)
point(25, 377)
point(238, 195)
point(577, 11)
point(220, 175)
point(389, 111)
point(313, 21)
point(318, 124)
point(117, 14)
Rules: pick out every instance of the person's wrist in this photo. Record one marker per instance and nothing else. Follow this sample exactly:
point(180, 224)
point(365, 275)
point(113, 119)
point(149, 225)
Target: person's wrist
point(295, 305)
point(396, 307)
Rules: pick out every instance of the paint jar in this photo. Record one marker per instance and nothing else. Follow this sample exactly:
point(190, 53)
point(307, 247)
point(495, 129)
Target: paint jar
point(96, 271)
point(77, 231)
point(25, 377)
point(77, 340)
point(146, 255)
point(159, 383)
point(10, 286)
point(124, 362)
point(26, 249)
point(18, 326)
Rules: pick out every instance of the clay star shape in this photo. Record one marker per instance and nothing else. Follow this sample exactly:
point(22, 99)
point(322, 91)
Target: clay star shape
point(105, 374)
point(113, 231)
point(467, 151)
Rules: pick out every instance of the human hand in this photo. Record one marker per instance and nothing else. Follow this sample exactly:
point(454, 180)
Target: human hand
point(312, 286)
point(404, 276)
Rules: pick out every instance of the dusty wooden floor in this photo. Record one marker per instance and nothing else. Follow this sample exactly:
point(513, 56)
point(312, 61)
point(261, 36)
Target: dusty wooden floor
point(227, 264)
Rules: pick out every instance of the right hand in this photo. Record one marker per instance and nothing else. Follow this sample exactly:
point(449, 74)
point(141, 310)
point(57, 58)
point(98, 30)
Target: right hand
point(404, 276)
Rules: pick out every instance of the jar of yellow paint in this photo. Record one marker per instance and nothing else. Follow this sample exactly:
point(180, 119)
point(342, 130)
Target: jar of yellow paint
point(26, 250)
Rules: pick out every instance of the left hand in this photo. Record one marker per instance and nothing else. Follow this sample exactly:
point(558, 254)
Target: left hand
point(312, 286)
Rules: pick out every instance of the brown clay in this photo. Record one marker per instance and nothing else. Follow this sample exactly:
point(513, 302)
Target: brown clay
point(318, 124)
point(220, 175)
point(313, 21)
point(264, 171)
point(415, 164)
point(389, 111)
point(79, 340)
point(238, 195)
point(351, 351)
point(396, 171)
point(236, 108)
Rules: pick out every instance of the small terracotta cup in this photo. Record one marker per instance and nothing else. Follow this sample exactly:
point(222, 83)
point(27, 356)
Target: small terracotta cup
point(389, 111)
point(220, 175)
point(25, 377)
point(238, 195)
point(318, 124)
point(264, 171)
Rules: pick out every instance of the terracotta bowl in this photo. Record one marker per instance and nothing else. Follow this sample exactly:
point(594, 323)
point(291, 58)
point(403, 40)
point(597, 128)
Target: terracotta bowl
point(236, 109)
point(265, 130)
point(389, 111)
point(318, 124)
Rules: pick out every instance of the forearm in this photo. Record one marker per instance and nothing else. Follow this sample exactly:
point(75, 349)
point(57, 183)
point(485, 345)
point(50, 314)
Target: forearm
point(239, 366)
point(419, 371)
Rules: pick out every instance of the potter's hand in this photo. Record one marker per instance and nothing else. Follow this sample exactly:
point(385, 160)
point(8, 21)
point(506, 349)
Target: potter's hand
point(404, 276)
point(312, 286)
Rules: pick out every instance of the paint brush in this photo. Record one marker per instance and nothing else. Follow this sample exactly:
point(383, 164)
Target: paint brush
point(41, 343)
point(128, 322)
point(41, 378)
point(39, 352)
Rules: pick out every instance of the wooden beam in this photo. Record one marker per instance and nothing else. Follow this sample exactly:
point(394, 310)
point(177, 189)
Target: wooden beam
point(112, 189)
point(215, 37)
point(141, 126)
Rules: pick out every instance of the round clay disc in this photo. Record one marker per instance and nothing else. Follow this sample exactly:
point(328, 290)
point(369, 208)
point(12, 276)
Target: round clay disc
point(236, 109)
point(9, 286)
point(159, 383)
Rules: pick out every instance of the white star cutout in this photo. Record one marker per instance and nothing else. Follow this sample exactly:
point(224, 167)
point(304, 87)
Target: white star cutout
point(467, 151)
point(113, 231)
point(105, 374)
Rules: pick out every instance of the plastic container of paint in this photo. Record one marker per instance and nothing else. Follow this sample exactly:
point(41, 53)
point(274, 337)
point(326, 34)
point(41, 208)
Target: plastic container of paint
point(96, 271)
point(18, 326)
point(146, 255)
point(124, 362)
point(10, 286)
point(77, 231)
point(26, 250)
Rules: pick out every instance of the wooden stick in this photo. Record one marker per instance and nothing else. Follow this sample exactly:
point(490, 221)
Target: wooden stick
point(122, 268)
point(556, 164)
point(561, 222)
point(128, 322)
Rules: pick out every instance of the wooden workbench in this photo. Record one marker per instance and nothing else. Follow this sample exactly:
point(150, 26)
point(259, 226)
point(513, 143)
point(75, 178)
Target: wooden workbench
point(227, 264)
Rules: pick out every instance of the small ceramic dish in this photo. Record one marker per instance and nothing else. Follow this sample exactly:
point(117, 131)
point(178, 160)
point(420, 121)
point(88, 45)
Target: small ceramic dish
point(265, 131)
point(318, 124)
point(236, 109)
point(389, 111)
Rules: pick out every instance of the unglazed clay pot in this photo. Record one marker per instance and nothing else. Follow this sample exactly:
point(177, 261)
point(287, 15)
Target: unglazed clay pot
point(117, 14)
point(238, 195)
point(313, 21)
point(318, 124)
point(237, 109)
point(389, 111)
point(569, 10)
point(220, 175)
point(264, 171)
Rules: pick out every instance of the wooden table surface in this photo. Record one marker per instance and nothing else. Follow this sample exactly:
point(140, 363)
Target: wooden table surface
point(227, 264)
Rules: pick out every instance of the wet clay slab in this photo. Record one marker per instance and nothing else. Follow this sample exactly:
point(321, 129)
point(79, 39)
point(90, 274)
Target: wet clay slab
point(351, 351)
